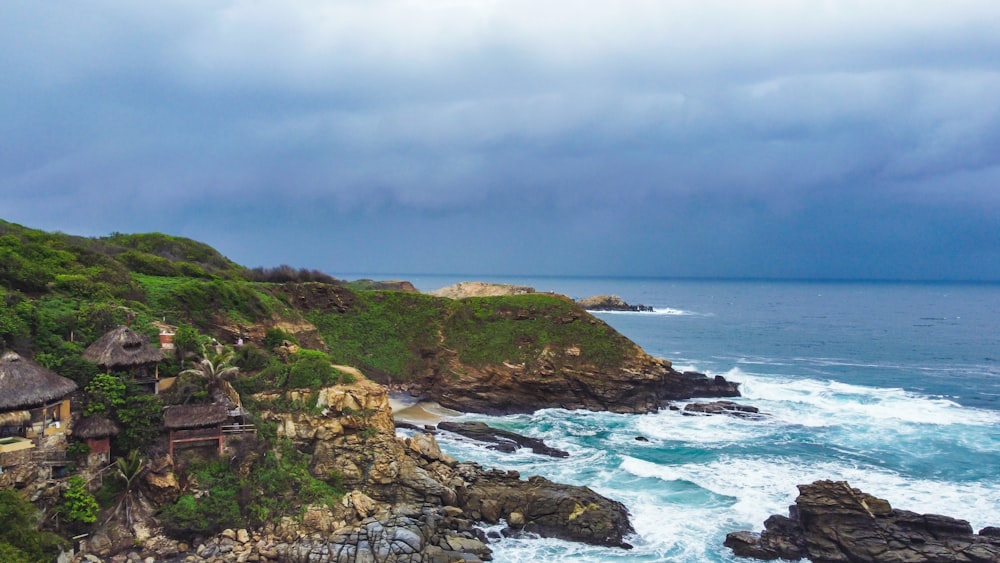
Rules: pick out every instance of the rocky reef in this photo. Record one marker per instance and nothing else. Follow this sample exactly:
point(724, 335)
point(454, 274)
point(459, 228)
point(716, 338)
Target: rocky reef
point(831, 522)
point(610, 303)
point(500, 440)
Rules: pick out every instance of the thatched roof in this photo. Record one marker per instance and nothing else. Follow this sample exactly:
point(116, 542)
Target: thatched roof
point(94, 427)
point(14, 418)
point(194, 416)
point(122, 347)
point(24, 384)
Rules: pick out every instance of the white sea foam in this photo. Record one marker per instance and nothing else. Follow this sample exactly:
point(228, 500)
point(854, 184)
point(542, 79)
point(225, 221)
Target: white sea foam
point(663, 311)
point(764, 486)
point(812, 402)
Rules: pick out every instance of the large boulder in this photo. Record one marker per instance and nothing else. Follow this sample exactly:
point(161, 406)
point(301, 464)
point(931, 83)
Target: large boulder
point(831, 522)
point(541, 506)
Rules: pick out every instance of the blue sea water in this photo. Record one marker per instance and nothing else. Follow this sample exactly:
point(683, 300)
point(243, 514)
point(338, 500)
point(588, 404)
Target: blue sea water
point(894, 387)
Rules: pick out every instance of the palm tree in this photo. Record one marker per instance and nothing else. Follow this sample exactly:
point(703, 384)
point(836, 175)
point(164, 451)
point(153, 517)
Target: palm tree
point(128, 469)
point(216, 371)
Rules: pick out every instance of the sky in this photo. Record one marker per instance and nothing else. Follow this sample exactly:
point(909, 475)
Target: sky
point(672, 138)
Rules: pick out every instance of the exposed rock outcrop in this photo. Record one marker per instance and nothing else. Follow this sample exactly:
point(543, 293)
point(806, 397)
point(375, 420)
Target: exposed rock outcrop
point(557, 378)
point(543, 507)
point(831, 522)
point(610, 303)
point(462, 290)
point(355, 436)
point(723, 407)
point(502, 440)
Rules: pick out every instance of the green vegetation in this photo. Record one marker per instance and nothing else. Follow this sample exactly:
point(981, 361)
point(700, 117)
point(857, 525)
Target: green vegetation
point(491, 330)
point(52, 308)
point(105, 394)
point(387, 333)
point(20, 538)
point(78, 505)
point(277, 484)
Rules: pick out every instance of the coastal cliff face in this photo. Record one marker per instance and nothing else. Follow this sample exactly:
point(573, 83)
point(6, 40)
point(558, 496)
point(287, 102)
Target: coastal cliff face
point(355, 436)
point(557, 378)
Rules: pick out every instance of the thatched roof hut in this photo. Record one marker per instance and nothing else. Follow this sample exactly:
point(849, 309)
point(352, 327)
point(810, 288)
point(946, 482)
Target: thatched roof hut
point(93, 427)
point(122, 347)
point(25, 384)
point(194, 416)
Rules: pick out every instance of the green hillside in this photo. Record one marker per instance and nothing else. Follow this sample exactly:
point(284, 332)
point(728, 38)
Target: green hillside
point(60, 292)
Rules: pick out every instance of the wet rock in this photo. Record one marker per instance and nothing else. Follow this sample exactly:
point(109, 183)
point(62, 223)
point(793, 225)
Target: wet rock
point(610, 303)
point(831, 522)
point(723, 407)
point(503, 440)
point(546, 508)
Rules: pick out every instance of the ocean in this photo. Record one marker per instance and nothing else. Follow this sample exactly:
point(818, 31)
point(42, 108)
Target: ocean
point(893, 387)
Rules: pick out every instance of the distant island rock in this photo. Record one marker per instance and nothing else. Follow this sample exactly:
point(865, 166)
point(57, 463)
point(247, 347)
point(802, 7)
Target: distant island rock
point(831, 522)
point(462, 290)
point(610, 303)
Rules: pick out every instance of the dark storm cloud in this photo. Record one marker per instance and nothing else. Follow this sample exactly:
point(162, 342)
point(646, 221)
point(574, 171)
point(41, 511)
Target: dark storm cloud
point(779, 138)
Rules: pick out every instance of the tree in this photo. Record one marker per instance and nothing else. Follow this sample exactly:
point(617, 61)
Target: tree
point(128, 469)
point(141, 418)
point(105, 394)
point(20, 538)
point(187, 340)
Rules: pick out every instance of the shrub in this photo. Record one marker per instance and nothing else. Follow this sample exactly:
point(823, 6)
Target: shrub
point(78, 505)
point(311, 369)
point(275, 336)
point(249, 357)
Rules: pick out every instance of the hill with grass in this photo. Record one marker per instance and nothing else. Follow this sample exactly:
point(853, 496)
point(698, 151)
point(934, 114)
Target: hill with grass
point(506, 353)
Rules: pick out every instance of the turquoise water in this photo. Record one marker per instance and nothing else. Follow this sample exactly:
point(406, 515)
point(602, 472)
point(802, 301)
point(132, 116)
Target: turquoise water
point(892, 387)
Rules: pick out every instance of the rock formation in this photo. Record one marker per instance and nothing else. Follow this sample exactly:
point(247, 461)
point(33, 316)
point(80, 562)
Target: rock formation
point(462, 290)
point(610, 303)
point(355, 436)
point(723, 407)
point(556, 378)
point(831, 522)
point(502, 440)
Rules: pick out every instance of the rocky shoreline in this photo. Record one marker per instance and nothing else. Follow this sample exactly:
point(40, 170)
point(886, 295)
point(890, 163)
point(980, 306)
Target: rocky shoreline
point(407, 500)
point(611, 303)
point(831, 522)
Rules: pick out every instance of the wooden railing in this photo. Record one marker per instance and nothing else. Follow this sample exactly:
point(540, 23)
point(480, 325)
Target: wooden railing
point(239, 429)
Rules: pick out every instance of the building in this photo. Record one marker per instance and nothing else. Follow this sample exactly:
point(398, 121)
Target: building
point(34, 412)
point(123, 350)
point(96, 432)
point(195, 423)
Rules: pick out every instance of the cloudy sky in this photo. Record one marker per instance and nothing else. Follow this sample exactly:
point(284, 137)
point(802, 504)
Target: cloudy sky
point(773, 138)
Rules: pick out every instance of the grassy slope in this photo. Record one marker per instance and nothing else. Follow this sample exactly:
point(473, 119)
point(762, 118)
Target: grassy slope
point(59, 292)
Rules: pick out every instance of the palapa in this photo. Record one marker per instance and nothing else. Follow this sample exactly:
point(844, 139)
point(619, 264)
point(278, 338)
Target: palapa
point(122, 347)
point(25, 384)
point(93, 427)
point(194, 416)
